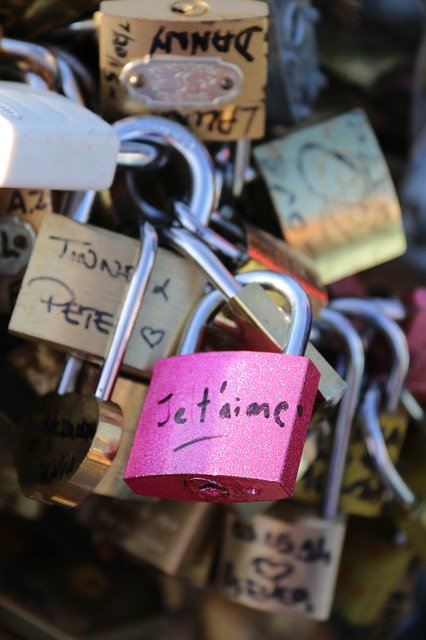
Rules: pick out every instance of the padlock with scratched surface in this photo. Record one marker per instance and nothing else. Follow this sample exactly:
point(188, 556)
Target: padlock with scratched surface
point(68, 443)
point(363, 491)
point(205, 415)
point(286, 560)
point(333, 195)
point(204, 63)
point(164, 533)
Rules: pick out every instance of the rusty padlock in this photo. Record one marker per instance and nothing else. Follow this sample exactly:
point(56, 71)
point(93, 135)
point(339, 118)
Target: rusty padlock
point(286, 561)
point(226, 422)
point(69, 441)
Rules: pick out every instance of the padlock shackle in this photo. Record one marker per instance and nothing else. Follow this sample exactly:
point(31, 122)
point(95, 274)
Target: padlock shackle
point(68, 380)
point(211, 238)
point(203, 257)
point(40, 60)
point(368, 311)
point(376, 446)
point(283, 284)
point(129, 311)
point(166, 132)
point(355, 363)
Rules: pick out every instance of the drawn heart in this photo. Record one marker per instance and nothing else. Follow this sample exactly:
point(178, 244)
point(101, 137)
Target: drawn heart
point(152, 337)
point(272, 570)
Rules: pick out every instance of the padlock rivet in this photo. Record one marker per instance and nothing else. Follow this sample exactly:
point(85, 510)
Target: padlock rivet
point(136, 80)
point(190, 7)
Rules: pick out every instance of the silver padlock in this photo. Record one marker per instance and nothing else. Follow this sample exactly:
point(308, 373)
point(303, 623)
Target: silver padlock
point(286, 560)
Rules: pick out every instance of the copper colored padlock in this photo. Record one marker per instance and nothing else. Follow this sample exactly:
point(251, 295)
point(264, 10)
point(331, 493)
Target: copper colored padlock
point(227, 426)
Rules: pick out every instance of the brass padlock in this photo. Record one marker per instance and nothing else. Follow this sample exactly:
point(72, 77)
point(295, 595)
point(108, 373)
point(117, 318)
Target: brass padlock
point(331, 386)
point(164, 533)
point(363, 490)
point(68, 442)
point(287, 560)
point(203, 63)
point(373, 562)
point(411, 467)
point(267, 252)
point(74, 285)
point(333, 195)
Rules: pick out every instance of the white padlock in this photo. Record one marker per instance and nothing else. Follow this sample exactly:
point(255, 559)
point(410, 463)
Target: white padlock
point(49, 142)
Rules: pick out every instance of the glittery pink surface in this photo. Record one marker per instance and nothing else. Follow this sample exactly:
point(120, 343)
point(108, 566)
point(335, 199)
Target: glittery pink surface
point(229, 437)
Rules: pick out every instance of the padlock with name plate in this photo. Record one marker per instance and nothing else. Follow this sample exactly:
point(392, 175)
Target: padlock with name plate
point(286, 561)
point(221, 405)
point(363, 491)
point(164, 533)
point(333, 195)
point(204, 63)
point(68, 442)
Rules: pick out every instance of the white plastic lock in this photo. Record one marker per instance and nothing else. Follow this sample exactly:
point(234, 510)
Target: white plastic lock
point(49, 142)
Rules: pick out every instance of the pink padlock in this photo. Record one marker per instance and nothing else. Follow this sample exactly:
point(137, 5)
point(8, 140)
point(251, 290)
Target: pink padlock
point(415, 330)
point(227, 426)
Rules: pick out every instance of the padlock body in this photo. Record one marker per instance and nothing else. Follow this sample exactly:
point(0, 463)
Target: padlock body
point(223, 427)
point(207, 69)
point(282, 562)
point(371, 567)
point(362, 490)
point(416, 338)
point(67, 444)
point(267, 252)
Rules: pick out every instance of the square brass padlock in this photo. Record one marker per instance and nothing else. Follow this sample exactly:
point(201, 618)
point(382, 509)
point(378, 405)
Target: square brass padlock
point(203, 63)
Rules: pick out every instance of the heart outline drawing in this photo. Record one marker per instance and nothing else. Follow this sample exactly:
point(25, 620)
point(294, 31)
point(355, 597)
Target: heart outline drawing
point(148, 333)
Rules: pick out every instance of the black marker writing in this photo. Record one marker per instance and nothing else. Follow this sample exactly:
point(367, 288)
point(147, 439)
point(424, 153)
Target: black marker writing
point(55, 294)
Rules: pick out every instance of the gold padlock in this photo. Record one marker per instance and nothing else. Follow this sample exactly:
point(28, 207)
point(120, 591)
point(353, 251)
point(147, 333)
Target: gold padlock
point(372, 564)
point(269, 253)
point(203, 63)
point(362, 491)
point(333, 195)
point(74, 285)
point(166, 534)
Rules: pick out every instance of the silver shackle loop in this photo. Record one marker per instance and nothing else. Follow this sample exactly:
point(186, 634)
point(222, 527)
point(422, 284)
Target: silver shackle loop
point(355, 362)
point(376, 446)
point(168, 133)
point(289, 288)
point(368, 311)
point(39, 59)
